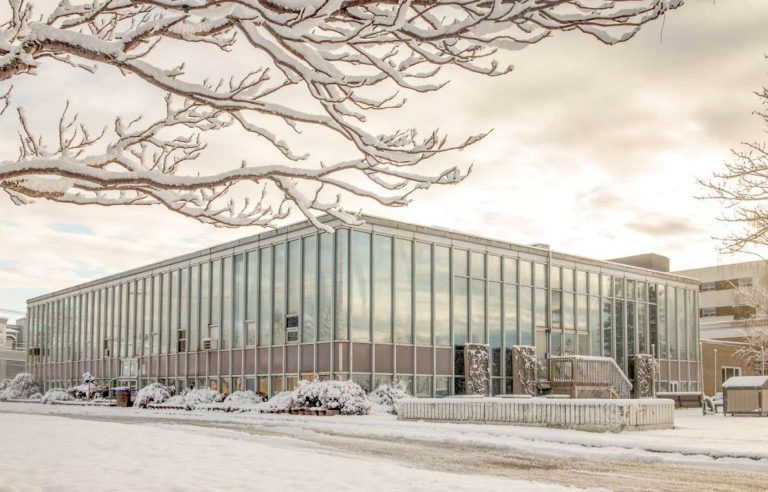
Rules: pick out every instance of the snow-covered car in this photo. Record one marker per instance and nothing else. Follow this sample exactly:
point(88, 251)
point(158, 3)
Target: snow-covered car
point(718, 401)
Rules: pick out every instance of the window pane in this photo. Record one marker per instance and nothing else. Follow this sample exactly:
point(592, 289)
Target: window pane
point(494, 325)
point(460, 262)
point(239, 299)
point(618, 287)
point(265, 302)
point(541, 275)
point(526, 316)
point(278, 318)
point(526, 273)
point(607, 282)
point(294, 277)
point(568, 311)
point(442, 279)
point(205, 299)
point(557, 310)
point(174, 342)
point(494, 267)
point(510, 323)
point(642, 328)
point(326, 287)
point(164, 306)
point(382, 289)
point(619, 333)
point(309, 315)
point(184, 319)
point(662, 322)
point(555, 280)
point(631, 334)
point(342, 272)
point(252, 299)
point(227, 304)
point(567, 279)
point(252, 296)
point(478, 264)
point(360, 283)
point(478, 311)
point(607, 328)
point(423, 294)
point(581, 312)
point(556, 343)
point(215, 295)
point(194, 309)
point(594, 284)
point(594, 324)
point(569, 343)
point(510, 270)
point(581, 282)
point(403, 278)
point(460, 298)
point(541, 308)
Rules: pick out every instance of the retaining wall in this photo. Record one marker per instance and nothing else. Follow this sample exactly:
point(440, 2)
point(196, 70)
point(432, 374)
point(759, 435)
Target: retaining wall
point(588, 415)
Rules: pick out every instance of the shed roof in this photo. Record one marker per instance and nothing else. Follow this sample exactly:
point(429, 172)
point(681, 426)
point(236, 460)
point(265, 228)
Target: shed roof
point(746, 382)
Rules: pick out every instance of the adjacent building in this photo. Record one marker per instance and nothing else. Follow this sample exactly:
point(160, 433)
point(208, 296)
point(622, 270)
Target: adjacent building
point(12, 348)
point(733, 301)
point(369, 303)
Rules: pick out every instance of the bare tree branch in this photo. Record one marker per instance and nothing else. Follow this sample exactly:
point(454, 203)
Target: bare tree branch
point(349, 57)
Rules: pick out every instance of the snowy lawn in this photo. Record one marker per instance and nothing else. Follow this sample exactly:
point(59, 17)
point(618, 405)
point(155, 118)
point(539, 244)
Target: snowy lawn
point(714, 442)
point(51, 453)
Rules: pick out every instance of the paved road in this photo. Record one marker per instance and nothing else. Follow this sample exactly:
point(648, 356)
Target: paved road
point(566, 470)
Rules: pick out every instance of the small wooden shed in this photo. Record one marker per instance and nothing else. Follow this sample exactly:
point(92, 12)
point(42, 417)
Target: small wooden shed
point(746, 395)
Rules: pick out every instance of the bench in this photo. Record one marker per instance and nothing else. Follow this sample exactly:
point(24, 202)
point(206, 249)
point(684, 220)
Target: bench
point(686, 399)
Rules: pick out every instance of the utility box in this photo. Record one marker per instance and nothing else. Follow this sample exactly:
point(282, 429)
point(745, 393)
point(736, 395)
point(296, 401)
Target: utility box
point(746, 395)
point(123, 397)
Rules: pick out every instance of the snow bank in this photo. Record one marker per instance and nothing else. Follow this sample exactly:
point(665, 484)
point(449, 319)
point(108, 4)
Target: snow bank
point(21, 387)
point(56, 394)
point(345, 396)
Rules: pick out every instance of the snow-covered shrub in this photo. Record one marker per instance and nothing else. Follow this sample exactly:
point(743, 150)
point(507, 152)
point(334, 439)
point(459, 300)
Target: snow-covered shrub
point(242, 400)
point(387, 395)
point(152, 393)
point(278, 403)
point(20, 387)
point(202, 396)
point(56, 394)
point(345, 396)
point(36, 396)
point(87, 389)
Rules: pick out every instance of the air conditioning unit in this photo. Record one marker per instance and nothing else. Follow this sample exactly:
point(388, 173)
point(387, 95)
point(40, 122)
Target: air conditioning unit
point(35, 351)
point(182, 346)
point(209, 344)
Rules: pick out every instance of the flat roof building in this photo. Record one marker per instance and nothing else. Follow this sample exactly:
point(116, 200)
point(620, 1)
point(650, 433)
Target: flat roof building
point(733, 302)
point(372, 302)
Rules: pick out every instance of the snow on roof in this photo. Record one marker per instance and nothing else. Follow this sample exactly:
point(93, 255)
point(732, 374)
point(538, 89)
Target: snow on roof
point(746, 382)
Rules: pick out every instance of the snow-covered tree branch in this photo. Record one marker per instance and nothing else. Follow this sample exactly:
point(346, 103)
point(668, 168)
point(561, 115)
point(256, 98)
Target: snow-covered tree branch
point(742, 187)
point(328, 65)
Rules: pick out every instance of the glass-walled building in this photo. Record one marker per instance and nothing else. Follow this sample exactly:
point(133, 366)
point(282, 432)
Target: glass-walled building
point(370, 303)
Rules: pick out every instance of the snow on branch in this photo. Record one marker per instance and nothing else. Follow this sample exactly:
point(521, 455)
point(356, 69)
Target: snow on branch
point(349, 58)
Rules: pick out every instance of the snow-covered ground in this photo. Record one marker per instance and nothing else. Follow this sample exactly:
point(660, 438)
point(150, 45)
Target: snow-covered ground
point(48, 453)
point(178, 449)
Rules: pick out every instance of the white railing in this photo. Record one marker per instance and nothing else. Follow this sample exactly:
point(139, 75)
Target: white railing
point(587, 415)
point(569, 373)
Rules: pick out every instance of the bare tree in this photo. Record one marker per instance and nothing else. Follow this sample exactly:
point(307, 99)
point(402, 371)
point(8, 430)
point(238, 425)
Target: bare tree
point(743, 189)
point(752, 302)
point(347, 58)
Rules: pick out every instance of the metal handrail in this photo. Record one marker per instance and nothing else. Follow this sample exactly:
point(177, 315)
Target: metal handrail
point(574, 370)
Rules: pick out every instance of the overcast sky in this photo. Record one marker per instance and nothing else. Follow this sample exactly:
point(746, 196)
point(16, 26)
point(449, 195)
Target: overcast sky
point(595, 150)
